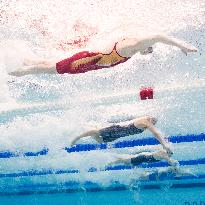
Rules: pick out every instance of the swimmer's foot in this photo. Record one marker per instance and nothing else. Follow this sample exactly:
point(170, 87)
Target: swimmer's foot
point(42, 62)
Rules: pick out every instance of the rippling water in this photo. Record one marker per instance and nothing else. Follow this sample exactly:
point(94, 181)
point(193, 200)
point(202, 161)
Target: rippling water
point(46, 110)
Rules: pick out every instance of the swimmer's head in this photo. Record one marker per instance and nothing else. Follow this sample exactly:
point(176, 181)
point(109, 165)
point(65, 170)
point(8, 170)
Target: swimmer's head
point(147, 51)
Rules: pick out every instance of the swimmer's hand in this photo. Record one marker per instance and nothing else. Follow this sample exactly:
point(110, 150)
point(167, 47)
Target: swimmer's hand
point(174, 163)
point(187, 172)
point(180, 172)
point(168, 150)
point(188, 49)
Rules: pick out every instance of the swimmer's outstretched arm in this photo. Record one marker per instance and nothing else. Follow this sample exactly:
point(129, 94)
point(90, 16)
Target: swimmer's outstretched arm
point(185, 47)
point(160, 138)
point(130, 46)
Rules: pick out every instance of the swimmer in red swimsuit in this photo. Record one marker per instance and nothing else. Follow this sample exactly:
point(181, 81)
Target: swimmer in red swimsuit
point(85, 61)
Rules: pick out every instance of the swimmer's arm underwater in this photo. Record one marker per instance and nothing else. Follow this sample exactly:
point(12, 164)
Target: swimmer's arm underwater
point(148, 123)
point(130, 46)
point(160, 138)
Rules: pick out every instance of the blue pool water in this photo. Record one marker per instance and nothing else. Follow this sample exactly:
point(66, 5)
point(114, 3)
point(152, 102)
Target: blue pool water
point(163, 196)
point(39, 114)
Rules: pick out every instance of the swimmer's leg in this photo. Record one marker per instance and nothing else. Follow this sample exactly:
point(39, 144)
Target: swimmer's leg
point(94, 133)
point(35, 69)
point(29, 62)
point(122, 159)
point(33, 66)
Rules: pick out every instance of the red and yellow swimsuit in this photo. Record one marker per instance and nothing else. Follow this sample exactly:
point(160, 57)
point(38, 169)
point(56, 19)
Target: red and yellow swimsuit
point(86, 61)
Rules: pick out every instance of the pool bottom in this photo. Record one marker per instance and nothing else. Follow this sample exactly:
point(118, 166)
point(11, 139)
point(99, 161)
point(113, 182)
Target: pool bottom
point(188, 196)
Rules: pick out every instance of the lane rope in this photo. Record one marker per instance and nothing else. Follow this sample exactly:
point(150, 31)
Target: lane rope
point(93, 169)
point(103, 146)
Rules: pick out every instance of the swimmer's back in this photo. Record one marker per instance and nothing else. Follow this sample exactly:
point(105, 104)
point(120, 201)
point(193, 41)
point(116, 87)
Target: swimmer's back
point(114, 132)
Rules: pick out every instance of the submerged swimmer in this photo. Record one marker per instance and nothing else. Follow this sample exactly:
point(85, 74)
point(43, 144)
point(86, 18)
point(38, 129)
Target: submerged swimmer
point(145, 157)
point(118, 52)
point(131, 127)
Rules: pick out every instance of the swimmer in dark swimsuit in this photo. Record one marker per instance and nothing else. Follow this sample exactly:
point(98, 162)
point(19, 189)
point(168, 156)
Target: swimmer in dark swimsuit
point(132, 127)
point(145, 157)
point(116, 52)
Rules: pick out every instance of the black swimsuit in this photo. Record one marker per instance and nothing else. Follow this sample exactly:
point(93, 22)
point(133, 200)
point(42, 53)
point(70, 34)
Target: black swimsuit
point(143, 159)
point(114, 132)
